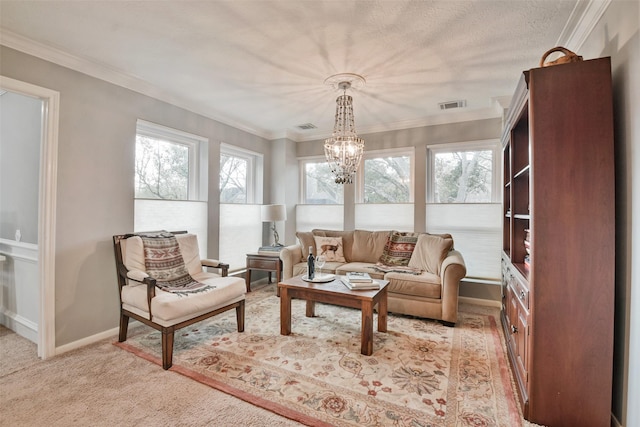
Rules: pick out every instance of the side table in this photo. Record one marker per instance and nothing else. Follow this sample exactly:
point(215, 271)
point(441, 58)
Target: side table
point(262, 262)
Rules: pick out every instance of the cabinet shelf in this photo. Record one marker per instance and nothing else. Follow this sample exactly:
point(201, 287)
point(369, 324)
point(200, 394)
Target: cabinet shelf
point(524, 172)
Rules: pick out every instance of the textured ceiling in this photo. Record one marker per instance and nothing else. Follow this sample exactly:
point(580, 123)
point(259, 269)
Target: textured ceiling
point(260, 65)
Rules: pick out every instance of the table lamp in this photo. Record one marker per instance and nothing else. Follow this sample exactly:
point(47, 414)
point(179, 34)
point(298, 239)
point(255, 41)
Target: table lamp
point(273, 213)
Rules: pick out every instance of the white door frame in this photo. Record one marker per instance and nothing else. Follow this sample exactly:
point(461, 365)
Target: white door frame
point(46, 208)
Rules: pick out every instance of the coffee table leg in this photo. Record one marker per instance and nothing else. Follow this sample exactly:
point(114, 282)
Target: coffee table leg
point(285, 312)
point(382, 313)
point(311, 308)
point(366, 338)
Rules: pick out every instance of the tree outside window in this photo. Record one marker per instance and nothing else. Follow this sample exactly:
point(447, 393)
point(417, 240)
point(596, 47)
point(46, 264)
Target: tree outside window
point(161, 169)
point(463, 176)
point(387, 179)
point(320, 186)
point(233, 179)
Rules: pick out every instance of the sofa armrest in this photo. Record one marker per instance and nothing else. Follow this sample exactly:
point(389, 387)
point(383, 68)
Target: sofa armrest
point(452, 271)
point(290, 256)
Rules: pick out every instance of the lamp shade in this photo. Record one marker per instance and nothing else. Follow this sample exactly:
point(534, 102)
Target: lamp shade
point(272, 213)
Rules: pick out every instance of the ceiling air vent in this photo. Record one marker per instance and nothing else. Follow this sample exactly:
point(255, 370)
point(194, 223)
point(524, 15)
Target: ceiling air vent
point(307, 126)
point(452, 104)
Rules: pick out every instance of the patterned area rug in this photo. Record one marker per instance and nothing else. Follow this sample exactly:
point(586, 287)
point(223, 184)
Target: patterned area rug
point(420, 374)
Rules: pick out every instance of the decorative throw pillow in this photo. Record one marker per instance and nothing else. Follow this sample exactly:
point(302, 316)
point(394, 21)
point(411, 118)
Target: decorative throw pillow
point(330, 247)
point(429, 253)
point(398, 248)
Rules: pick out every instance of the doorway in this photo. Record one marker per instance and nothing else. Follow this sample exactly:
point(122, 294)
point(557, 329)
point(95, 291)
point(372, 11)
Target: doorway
point(44, 294)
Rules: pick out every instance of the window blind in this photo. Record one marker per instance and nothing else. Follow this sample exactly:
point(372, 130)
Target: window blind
point(172, 215)
point(384, 216)
point(240, 233)
point(477, 233)
point(329, 217)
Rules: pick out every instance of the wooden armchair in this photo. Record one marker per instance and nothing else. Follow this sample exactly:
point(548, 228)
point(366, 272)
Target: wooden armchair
point(142, 296)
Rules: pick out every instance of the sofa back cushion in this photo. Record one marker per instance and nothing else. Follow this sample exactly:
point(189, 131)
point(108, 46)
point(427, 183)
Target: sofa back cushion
point(368, 245)
point(306, 239)
point(430, 251)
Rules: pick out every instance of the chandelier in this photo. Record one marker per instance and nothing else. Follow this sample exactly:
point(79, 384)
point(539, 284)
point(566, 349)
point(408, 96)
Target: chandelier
point(344, 149)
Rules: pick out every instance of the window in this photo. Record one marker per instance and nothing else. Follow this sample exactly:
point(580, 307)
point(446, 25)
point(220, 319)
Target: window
point(464, 173)
point(318, 183)
point(237, 171)
point(387, 177)
point(166, 165)
point(240, 188)
point(170, 181)
point(464, 200)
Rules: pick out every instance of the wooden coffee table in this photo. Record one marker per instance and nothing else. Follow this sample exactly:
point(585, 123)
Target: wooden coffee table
point(335, 292)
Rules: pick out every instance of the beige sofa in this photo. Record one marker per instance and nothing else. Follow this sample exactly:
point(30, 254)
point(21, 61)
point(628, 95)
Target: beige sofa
point(425, 285)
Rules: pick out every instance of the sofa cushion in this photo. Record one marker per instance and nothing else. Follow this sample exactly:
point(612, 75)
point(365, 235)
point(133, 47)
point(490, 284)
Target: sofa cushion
point(361, 267)
point(429, 252)
point(368, 245)
point(399, 248)
point(425, 285)
point(347, 240)
point(306, 240)
point(330, 248)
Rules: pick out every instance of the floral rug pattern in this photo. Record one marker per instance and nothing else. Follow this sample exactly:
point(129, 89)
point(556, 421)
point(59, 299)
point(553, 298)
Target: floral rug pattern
point(420, 374)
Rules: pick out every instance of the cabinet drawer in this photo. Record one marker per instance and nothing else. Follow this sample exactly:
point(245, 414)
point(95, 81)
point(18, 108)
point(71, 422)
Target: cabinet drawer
point(262, 264)
point(521, 292)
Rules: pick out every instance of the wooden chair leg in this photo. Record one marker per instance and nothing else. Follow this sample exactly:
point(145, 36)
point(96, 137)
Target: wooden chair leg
point(124, 326)
point(240, 316)
point(167, 347)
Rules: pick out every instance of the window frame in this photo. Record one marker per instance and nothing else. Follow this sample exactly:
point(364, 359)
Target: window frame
point(391, 152)
point(478, 145)
point(254, 163)
point(196, 145)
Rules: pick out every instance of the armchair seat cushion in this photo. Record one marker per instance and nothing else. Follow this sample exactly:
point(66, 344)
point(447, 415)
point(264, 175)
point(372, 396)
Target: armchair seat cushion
point(168, 308)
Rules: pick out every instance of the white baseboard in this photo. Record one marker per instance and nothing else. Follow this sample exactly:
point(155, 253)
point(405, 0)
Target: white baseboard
point(111, 333)
point(480, 301)
point(20, 325)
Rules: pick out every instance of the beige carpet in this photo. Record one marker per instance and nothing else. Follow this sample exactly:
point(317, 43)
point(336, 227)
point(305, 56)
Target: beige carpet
point(102, 385)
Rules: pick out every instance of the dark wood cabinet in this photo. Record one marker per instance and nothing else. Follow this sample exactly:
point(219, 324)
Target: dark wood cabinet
point(559, 243)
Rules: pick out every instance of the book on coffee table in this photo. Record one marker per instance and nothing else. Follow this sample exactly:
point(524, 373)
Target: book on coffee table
point(359, 277)
point(359, 286)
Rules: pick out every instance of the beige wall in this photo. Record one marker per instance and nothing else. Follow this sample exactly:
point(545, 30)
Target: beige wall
point(95, 183)
point(617, 35)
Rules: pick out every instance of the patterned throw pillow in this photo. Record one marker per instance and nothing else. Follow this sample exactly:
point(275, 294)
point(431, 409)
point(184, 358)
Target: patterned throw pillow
point(330, 247)
point(399, 248)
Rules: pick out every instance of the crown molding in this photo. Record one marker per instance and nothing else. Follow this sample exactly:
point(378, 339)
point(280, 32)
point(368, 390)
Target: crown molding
point(109, 74)
point(581, 22)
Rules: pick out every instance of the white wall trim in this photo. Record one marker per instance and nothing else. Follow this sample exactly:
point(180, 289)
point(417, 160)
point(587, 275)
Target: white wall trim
point(581, 23)
point(19, 324)
point(46, 208)
point(110, 333)
point(480, 301)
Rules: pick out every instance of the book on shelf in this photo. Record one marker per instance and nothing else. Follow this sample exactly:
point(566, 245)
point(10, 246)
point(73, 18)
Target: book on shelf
point(359, 286)
point(359, 277)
